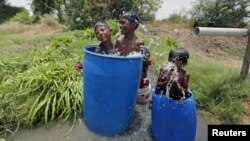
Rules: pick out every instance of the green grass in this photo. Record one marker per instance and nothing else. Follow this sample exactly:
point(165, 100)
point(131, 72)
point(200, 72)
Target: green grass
point(15, 44)
point(41, 85)
point(218, 87)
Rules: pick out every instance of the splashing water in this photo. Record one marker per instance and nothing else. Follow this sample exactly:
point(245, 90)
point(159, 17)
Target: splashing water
point(134, 53)
point(144, 28)
point(171, 69)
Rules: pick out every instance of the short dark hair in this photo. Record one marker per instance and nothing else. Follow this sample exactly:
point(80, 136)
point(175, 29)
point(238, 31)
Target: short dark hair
point(179, 53)
point(132, 17)
point(98, 24)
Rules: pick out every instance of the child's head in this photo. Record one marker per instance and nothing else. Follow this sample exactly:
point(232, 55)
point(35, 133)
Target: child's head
point(102, 31)
point(129, 21)
point(179, 55)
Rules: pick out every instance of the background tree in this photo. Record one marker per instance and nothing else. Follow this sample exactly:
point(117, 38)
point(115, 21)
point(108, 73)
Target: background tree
point(83, 13)
point(221, 13)
point(41, 7)
point(7, 11)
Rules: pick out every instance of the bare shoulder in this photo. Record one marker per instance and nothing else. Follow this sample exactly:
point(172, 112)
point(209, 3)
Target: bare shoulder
point(97, 49)
point(139, 42)
point(120, 39)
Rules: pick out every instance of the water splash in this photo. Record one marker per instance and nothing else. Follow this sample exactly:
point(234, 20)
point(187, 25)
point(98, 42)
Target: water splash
point(171, 69)
point(134, 54)
point(145, 30)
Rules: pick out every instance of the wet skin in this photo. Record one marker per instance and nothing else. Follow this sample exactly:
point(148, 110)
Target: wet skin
point(125, 26)
point(103, 34)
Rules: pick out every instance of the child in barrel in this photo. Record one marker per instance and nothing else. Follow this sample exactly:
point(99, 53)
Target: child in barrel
point(103, 33)
point(173, 79)
point(129, 43)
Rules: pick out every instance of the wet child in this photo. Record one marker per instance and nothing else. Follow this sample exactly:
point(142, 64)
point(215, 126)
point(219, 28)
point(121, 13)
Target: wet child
point(129, 43)
point(103, 33)
point(173, 79)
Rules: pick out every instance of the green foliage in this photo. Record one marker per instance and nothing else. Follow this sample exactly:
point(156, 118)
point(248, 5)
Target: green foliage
point(218, 88)
point(42, 7)
point(145, 9)
point(220, 13)
point(42, 88)
point(80, 14)
point(178, 18)
point(89, 33)
point(113, 24)
point(58, 88)
point(6, 11)
point(172, 42)
point(24, 17)
point(76, 15)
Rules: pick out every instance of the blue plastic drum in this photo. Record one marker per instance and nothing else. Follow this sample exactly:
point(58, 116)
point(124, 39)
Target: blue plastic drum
point(110, 90)
point(173, 120)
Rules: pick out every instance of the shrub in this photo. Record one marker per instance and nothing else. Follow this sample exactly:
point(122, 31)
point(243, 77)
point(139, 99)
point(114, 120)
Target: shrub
point(24, 17)
point(172, 42)
point(113, 24)
point(178, 18)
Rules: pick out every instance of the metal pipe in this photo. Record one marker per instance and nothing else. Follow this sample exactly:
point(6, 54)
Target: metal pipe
point(211, 31)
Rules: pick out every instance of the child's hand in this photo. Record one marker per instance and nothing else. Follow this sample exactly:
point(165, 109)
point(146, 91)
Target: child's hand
point(78, 66)
point(147, 62)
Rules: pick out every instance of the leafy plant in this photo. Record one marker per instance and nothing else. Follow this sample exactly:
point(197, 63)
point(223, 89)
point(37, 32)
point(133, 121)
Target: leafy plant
point(113, 24)
point(178, 18)
point(43, 90)
point(89, 33)
point(221, 13)
point(171, 42)
point(24, 17)
point(58, 91)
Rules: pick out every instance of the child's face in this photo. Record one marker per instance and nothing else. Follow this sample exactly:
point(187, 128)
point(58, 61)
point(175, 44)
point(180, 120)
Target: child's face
point(103, 33)
point(178, 63)
point(126, 26)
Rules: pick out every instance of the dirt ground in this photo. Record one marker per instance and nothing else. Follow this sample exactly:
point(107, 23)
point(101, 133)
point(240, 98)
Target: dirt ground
point(222, 49)
point(213, 47)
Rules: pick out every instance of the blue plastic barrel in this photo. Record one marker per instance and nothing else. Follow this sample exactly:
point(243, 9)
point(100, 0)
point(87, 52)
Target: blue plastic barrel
point(110, 85)
point(173, 120)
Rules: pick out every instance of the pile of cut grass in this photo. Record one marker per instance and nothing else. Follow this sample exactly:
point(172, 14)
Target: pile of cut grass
point(41, 85)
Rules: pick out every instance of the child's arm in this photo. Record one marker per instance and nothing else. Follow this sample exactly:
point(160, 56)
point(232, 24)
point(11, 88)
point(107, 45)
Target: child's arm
point(97, 50)
point(163, 77)
point(185, 81)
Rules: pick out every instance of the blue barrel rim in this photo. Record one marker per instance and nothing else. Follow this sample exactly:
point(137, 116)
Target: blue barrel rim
point(155, 114)
point(181, 100)
point(109, 56)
